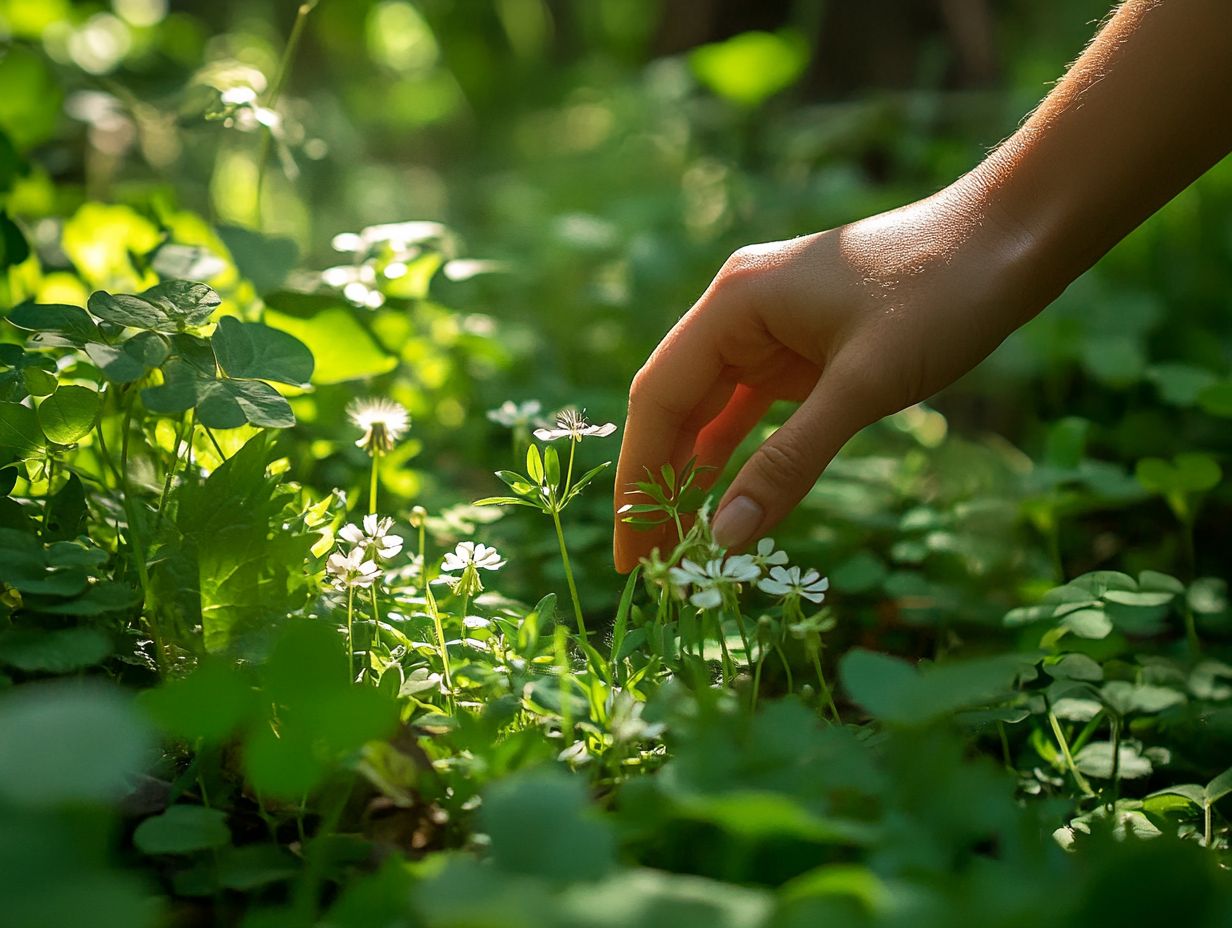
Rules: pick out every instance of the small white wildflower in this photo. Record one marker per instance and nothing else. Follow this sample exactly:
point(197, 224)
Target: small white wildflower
point(515, 415)
point(374, 538)
point(788, 582)
point(383, 422)
point(469, 554)
point(351, 571)
point(470, 558)
point(709, 581)
point(573, 425)
point(767, 556)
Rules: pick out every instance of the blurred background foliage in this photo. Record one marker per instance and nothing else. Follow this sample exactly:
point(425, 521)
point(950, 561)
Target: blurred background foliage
point(591, 165)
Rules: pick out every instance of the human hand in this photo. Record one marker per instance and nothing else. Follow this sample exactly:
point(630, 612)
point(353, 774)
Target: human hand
point(853, 324)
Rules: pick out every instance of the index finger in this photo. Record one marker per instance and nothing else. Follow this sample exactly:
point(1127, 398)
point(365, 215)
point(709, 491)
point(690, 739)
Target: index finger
point(675, 393)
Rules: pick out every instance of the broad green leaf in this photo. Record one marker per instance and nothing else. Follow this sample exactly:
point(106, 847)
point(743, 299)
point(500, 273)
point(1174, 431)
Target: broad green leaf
point(264, 259)
point(132, 359)
point(20, 434)
point(1180, 384)
point(68, 415)
point(1219, 787)
point(540, 824)
point(752, 66)
point(209, 704)
point(1095, 760)
point(323, 326)
point(228, 404)
point(894, 691)
point(38, 382)
point(71, 322)
point(182, 829)
point(1139, 598)
point(128, 310)
point(645, 898)
point(69, 743)
point(183, 384)
point(1126, 698)
point(53, 651)
point(187, 303)
point(1088, 623)
point(14, 249)
point(253, 350)
point(551, 466)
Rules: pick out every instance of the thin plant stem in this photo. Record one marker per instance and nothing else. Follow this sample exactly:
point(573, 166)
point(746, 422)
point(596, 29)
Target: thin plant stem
point(214, 441)
point(1116, 760)
point(560, 639)
point(1206, 830)
point(175, 460)
point(350, 629)
point(434, 610)
point(679, 526)
point(569, 470)
point(372, 482)
point(791, 685)
point(573, 593)
point(51, 473)
point(275, 92)
point(761, 660)
point(376, 624)
point(1057, 732)
point(729, 667)
point(828, 693)
point(1005, 747)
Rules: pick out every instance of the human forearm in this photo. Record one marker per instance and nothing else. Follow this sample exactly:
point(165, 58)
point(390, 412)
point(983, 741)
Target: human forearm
point(1143, 112)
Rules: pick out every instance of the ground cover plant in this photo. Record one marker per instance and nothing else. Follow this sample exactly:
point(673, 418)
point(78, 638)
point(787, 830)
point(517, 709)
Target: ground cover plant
point(307, 615)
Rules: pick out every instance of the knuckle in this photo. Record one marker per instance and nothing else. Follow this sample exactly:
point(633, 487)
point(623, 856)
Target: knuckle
point(783, 463)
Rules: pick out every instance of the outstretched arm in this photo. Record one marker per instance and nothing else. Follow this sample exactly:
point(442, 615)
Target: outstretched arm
point(864, 320)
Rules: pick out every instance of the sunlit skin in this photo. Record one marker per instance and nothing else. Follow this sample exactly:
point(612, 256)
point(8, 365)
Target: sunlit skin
point(859, 322)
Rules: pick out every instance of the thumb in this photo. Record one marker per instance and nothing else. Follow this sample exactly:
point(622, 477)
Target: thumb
point(785, 467)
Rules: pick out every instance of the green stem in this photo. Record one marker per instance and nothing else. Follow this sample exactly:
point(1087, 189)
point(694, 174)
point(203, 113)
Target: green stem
point(376, 624)
point(1206, 831)
point(372, 483)
point(569, 470)
point(573, 593)
point(137, 543)
point(815, 653)
point(1069, 758)
point(51, 473)
point(434, 610)
point(175, 460)
point(729, 667)
point(275, 91)
point(214, 441)
point(778, 648)
point(350, 636)
point(1116, 760)
point(679, 527)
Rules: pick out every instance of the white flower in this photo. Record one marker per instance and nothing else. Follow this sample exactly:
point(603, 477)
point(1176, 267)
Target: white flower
point(767, 556)
point(374, 537)
point(709, 581)
point(787, 581)
point(469, 558)
point(515, 415)
point(468, 554)
point(573, 425)
point(351, 571)
point(383, 422)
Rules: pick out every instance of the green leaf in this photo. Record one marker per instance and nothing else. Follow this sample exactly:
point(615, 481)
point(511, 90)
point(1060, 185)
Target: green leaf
point(1095, 760)
point(253, 350)
point(14, 249)
point(505, 501)
point(534, 464)
point(71, 322)
point(183, 383)
point(69, 743)
point(228, 404)
point(750, 67)
point(896, 692)
point(131, 360)
point(182, 829)
point(38, 382)
point(68, 415)
point(1219, 787)
point(265, 260)
point(551, 466)
point(209, 704)
point(540, 824)
point(1180, 384)
point(128, 310)
point(323, 326)
point(56, 651)
point(20, 434)
point(187, 303)
point(1088, 623)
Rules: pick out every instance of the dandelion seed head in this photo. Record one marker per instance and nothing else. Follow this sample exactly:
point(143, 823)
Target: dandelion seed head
point(382, 421)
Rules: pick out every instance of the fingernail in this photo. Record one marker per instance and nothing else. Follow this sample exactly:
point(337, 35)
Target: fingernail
point(737, 521)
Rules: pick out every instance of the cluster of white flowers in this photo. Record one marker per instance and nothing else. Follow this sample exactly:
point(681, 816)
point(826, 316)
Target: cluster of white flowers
point(398, 242)
point(371, 544)
point(704, 585)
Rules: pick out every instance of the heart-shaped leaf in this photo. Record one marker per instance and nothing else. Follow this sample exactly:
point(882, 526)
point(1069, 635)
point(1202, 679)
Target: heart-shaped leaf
point(255, 351)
